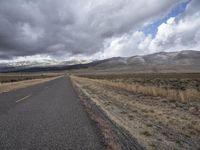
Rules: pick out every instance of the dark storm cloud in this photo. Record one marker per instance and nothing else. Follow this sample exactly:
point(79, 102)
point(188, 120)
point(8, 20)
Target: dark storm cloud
point(60, 27)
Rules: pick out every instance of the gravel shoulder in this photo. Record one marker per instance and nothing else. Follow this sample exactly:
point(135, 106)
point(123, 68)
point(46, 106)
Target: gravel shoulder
point(115, 136)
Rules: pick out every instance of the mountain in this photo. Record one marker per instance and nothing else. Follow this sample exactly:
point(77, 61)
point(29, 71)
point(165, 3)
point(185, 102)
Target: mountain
point(186, 60)
point(183, 61)
point(44, 65)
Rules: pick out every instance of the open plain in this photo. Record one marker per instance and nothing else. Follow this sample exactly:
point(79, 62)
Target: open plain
point(142, 105)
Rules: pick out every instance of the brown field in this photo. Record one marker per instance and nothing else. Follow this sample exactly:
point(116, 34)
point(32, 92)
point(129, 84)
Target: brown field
point(171, 80)
point(174, 86)
point(9, 82)
point(162, 111)
point(15, 77)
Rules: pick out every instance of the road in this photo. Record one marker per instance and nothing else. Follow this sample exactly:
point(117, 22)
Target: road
point(46, 116)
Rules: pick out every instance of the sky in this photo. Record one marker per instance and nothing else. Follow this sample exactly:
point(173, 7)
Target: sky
point(56, 31)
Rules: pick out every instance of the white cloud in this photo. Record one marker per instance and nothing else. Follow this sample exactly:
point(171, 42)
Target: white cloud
point(57, 28)
point(178, 33)
point(126, 45)
point(93, 29)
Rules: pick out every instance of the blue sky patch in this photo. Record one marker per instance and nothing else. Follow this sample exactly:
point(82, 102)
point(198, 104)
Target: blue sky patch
point(176, 10)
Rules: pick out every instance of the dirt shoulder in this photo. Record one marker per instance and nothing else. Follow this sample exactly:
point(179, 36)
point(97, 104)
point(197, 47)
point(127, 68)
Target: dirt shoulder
point(115, 137)
point(9, 86)
point(156, 123)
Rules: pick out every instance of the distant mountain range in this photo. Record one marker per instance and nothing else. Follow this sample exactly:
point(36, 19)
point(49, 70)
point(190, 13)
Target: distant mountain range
point(46, 65)
point(186, 60)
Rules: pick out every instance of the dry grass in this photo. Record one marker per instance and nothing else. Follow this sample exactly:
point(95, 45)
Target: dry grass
point(172, 94)
point(15, 77)
point(6, 87)
point(156, 123)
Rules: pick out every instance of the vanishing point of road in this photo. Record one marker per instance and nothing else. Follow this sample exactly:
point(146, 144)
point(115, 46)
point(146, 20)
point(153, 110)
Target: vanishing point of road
point(47, 116)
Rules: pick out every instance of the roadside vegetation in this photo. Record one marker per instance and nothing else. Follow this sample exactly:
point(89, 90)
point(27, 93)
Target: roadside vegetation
point(183, 87)
point(162, 111)
point(9, 82)
point(15, 77)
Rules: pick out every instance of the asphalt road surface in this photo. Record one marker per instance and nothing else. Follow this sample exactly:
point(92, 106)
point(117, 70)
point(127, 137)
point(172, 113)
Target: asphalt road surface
point(46, 116)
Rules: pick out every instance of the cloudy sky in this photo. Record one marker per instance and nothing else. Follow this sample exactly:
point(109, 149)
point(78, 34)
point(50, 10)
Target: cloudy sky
point(58, 30)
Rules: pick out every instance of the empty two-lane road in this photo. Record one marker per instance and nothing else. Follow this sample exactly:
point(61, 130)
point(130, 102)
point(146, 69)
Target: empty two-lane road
point(46, 116)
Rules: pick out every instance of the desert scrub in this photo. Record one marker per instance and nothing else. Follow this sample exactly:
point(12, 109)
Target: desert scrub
point(147, 118)
point(183, 95)
point(15, 77)
point(172, 94)
point(179, 81)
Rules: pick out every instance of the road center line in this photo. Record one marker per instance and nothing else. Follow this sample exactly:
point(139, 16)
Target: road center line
point(24, 98)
